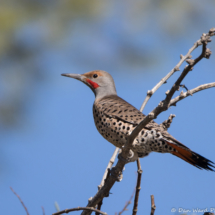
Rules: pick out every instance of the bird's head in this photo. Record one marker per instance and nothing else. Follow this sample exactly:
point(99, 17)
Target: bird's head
point(100, 82)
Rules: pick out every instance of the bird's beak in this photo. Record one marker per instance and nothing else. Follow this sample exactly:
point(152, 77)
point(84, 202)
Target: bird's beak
point(83, 79)
point(75, 76)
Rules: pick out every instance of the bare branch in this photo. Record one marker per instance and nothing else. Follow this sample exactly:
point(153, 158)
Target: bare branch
point(139, 171)
point(166, 124)
point(20, 200)
point(153, 207)
point(191, 92)
point(164, 105)
point(186, 70)
point(115, 173)
point(110, 164)
point(79, 209)
point(205, 38)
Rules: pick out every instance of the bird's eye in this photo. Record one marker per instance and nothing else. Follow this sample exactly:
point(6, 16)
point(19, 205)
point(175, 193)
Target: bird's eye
point(95, 76)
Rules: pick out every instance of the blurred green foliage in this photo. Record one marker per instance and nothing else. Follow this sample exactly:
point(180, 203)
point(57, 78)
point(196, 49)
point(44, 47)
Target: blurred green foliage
point(30, 28)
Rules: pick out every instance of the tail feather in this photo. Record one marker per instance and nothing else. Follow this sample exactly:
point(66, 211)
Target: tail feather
point(192, 157)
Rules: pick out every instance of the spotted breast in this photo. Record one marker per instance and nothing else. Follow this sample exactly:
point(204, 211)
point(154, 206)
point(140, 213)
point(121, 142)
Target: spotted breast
point(115, 119)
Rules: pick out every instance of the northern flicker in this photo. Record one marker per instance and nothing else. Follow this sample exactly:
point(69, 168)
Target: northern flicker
point(115, 119)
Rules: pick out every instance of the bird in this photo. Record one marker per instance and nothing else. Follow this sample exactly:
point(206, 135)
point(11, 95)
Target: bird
point(115, 119)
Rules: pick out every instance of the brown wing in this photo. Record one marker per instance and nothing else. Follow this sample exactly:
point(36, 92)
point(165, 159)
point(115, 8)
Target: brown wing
point(116, 107)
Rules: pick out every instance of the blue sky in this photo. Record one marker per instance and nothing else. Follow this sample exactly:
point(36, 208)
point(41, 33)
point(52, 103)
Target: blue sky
point(56, 153)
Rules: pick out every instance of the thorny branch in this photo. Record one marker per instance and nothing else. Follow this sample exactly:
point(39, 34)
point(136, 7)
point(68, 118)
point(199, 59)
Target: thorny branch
point(79, 209)
point(163, 106)
point(20, 200)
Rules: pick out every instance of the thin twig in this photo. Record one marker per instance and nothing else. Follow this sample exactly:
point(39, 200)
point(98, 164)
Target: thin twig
point(127, 204)
point(79, 209)
point(163, 106)
point(205, 38)
point(139, 171)
point(110, 164)
point(176, 68)
point(191, 92)
point(43, 210)
point(20, 200)
point(153, 207)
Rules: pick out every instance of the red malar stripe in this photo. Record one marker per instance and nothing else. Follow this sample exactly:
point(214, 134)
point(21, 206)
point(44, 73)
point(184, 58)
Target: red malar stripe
point(93, 84)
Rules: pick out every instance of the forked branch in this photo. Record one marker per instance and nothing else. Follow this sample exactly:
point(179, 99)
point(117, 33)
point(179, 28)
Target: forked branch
point(165, 104)
point(204, 39)
point(191, 92)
